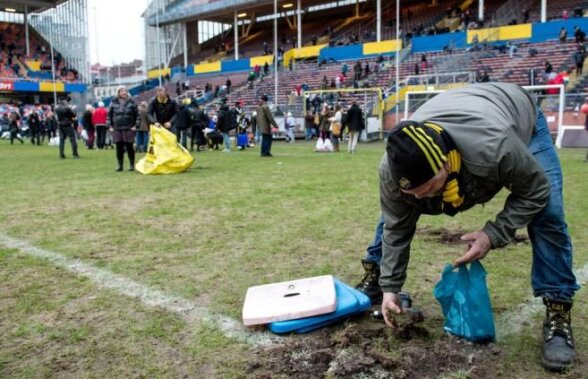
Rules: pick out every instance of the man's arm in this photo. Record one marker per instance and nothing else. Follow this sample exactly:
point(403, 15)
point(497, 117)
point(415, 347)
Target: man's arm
point(269, 116)
point(151, 113)
point(400, 221)
point(529, 187)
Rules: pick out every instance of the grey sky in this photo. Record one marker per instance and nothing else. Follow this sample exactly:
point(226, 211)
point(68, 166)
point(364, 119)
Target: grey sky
point(116, 30)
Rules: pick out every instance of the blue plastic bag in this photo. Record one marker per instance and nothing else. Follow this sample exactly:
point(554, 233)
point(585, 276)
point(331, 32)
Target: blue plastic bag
point(464, 298)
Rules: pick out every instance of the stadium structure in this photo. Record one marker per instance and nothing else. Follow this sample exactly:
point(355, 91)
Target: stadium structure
point(44, 51)
point(194, 46)
point(210, 50)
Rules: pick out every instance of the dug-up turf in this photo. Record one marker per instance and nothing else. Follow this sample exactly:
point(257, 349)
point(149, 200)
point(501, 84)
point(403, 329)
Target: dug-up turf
point(370, 349)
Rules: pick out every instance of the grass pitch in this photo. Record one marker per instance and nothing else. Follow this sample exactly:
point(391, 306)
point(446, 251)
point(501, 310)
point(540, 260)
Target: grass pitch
point(230, 222)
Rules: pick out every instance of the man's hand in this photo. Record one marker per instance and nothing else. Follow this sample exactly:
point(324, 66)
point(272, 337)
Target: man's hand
point(390, 302)
point(167, 125)
point(133, 129)
point(477, 248)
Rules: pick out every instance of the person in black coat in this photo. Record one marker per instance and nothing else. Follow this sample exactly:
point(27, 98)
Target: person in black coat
point(35, 127)
point(13, 128)
point(162, 110)
point(200, 121)
point(224, 125)
point(183, 122)
point(89, 126)
point(355, 124)
point(66, 120)
point(123, 118)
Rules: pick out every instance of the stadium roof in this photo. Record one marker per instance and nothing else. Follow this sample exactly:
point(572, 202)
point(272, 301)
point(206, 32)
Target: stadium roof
point(33, 6)
point(222, 10)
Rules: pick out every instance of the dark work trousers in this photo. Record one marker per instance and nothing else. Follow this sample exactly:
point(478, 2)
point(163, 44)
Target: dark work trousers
point(67, 132)
point(120, 153)
point(13, 136)
point(35, 136)
point(198, 138)
point(266, 145)
point(100, 136)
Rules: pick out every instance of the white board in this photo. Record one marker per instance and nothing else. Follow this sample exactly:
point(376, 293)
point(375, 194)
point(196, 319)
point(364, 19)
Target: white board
point(289, 300)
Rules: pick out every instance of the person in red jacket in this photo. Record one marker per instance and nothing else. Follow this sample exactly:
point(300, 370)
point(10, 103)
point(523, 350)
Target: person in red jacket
point(99, 121)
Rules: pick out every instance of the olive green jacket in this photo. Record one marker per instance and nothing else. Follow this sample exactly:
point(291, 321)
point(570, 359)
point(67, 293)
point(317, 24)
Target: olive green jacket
point(491, 125)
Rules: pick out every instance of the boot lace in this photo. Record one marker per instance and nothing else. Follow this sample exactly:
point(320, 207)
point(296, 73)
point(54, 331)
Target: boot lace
point(559, 325)
point(367, 280)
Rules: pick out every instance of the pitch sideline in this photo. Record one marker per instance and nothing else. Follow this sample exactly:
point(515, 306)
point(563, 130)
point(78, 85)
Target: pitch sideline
point(508, 323)
point(189, 310)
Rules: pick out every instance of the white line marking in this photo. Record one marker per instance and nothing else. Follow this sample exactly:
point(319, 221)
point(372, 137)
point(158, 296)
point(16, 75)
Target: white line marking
point(150, 297)
point(512, 322)
point(508, 323)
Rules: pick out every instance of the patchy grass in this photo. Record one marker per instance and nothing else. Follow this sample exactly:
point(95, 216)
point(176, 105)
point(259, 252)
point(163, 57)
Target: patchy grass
point(232, 221)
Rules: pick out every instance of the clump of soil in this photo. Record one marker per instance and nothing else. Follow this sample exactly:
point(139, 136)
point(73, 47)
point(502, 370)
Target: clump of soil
point(453, 237)
point(370, 349)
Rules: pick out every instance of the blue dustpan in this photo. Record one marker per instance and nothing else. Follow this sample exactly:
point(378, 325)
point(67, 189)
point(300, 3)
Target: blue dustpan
point(349, 302)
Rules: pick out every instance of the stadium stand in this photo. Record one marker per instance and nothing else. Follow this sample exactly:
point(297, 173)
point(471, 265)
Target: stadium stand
point(37, 65)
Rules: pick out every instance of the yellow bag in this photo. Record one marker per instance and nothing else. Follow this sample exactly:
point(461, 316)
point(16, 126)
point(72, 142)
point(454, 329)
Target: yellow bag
point(336, 128)
point(164, 155)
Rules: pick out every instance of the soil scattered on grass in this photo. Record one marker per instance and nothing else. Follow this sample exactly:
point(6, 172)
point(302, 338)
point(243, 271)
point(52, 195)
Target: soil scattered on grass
point(372, 350)
point(453, 237)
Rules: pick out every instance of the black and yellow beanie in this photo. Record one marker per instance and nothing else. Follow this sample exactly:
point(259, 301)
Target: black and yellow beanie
point(416, 153)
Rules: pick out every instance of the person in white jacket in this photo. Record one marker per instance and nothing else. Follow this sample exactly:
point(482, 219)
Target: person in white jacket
point(336, 127)
point(290, 124)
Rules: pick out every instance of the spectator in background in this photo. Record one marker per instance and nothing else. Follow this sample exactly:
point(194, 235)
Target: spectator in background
point(367, 70)
point(357, 71)
point(526, 16)
point(565, 14)
point(162, 110)
point(123, 117)
point(512, 48)
point(229, 84)
point(548, 69)
point(423, 62)
point(89, 126)
point(344, 69)
point(34, 122)
point(51, 125)
point(225, 125)
point(563, 35)
point(99, 122)
point(309, 125)
point(13, 127)
point(416, 69)
point(67, 120)
point(579, 61)
point(182, 122)
point(142, 132)
point(325, 82)
point(579, 34)
point(355, 124)
point(265, 121)
point(178, 88)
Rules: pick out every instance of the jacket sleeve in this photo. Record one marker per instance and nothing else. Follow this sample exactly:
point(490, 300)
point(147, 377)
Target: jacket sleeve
point(151, 112)
point(400, 221)
point(529, 191)
point(270, 117)
point(109, 116)
point(175, 111)
point(137, 116)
